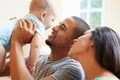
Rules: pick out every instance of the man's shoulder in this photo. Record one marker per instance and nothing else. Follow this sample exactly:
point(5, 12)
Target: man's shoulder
point(72, 61)
point(68, 62)
point(72, 64)
point(71, 68)
point(41, 57)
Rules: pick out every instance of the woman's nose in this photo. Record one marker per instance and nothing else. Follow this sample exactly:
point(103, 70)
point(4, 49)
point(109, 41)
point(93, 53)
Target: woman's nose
point(74, 40)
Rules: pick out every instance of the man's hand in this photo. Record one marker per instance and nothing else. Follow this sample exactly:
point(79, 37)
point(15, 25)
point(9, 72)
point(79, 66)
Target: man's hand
point(24, 32)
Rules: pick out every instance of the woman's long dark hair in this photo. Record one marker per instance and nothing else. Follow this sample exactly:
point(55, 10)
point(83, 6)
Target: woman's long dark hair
point(107, 45)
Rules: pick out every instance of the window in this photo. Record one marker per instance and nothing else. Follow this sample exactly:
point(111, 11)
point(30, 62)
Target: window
point(91, 11)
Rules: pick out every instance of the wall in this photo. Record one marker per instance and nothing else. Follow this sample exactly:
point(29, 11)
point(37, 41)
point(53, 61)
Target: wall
point(70, 8)
point(111, 16)
point(13, 8)
point(18, 8)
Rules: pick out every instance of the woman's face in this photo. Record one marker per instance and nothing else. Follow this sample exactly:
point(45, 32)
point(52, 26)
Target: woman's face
point(81, 45)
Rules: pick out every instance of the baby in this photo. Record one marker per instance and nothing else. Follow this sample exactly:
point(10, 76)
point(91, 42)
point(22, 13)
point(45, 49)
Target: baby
point(42, 13)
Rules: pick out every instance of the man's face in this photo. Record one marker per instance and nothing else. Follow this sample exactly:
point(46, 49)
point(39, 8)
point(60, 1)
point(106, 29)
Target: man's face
point(62, 34)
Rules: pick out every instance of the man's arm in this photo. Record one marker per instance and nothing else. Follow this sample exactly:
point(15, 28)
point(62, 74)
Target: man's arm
point(22, 34)
point(18, 68)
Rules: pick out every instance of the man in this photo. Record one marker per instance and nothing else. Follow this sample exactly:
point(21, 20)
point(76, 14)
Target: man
point(56, 66)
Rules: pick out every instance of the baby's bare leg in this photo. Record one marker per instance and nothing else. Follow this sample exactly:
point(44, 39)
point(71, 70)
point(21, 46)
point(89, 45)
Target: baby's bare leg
point(2, 57)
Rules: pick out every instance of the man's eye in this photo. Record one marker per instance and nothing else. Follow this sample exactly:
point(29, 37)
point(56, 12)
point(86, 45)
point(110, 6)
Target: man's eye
point(62, 27)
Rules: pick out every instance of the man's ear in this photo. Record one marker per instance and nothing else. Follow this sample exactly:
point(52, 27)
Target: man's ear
point(91, 44)
point(71, 43)
point(43, 14)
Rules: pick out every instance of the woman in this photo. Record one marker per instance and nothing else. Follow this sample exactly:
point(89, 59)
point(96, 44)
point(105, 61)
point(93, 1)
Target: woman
point(98, 51)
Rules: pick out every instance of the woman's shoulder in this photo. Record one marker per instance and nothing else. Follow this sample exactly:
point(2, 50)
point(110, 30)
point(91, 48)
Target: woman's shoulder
point(107, 77)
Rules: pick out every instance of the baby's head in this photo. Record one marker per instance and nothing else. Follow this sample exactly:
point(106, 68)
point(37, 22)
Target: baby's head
point(44, 10)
